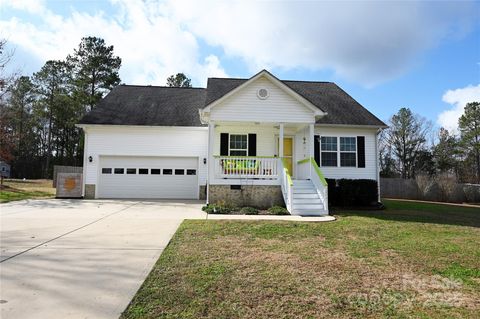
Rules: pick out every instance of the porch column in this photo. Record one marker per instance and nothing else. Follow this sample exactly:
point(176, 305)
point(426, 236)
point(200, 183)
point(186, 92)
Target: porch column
point(311, 137)
point(210, 166)
point(311, 140)
point(280, 142)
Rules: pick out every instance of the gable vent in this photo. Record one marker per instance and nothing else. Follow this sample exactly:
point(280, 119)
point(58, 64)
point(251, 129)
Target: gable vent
point(262, 94)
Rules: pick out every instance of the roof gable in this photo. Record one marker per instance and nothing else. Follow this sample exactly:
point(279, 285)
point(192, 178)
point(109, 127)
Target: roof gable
point(340, 107)
point(230, 88)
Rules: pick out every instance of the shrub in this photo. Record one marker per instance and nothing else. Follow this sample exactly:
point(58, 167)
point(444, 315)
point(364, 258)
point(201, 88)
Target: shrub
point(278, 210)
point(332, 191)
point(220, 207)
point(352, 192)
point(249, 211)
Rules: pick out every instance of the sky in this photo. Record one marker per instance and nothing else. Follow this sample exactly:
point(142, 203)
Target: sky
point(424, 55)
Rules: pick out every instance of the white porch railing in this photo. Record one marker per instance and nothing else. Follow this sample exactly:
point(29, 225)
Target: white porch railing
point(257, 167)
point(308, 168)
point(287, 184)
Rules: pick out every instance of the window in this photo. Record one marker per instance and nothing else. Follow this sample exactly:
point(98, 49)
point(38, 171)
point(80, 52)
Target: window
point(155, 171)
point(3, 169)
point(106, 171)
point(131, 171)
point(329, 150)
point(238, 145)
point(348, 151)
point(167, 171)
point(191, 172)
point(143, 171)
point(118, 170)
point(179, 172)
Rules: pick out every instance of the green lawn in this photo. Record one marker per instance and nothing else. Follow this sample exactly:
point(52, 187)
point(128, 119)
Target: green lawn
point(14, 189)
point(411, 260)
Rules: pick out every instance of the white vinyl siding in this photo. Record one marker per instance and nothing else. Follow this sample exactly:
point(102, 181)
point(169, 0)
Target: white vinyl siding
point(144, 141)
point(337, 172)
point(246, 106)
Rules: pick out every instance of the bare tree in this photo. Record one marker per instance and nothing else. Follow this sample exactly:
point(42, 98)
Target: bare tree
point(407, 136)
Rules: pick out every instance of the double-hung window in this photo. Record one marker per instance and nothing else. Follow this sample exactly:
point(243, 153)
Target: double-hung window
point(329, 150)
point(333, 155)
point(238, 145)
point(348, 151)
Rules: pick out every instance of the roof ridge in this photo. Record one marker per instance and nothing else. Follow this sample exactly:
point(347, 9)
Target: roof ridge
point(305, 81)
point(163, 86)
point(218, 78)
point(299, 81)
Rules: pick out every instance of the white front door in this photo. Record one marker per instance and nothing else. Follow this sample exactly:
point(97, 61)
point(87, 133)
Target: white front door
point(148, 177)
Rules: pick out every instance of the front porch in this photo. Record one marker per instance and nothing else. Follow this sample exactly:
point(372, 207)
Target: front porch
point(250, 151)
point(246, 155)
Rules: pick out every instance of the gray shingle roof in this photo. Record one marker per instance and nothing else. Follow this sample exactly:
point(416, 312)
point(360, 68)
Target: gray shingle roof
point(327, 96)
point(148, 105)
point(167, 106)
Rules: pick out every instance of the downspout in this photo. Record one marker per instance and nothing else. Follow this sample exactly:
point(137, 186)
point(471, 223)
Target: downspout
point(211, 128)
point(377, 162)
point(205, 120)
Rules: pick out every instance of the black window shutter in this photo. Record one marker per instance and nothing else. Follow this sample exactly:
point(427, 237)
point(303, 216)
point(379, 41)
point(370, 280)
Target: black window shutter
point(361, 151)
point(252, 144)
point(223, 144)
point(316, 149)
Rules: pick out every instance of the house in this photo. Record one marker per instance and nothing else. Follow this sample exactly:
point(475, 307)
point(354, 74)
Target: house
point(4, 169)
point(259, 141)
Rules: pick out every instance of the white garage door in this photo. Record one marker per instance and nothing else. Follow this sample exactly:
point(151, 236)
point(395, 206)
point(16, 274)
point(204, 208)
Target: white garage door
point(148, 177)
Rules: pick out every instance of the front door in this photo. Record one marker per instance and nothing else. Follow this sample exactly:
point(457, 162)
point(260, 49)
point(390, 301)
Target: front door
point(288, 153)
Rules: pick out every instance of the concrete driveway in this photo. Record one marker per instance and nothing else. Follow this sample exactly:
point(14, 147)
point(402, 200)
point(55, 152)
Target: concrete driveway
point(81, 258)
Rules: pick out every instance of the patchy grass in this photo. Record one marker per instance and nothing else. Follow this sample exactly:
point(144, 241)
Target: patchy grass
point(407, 261)
point(14, 189)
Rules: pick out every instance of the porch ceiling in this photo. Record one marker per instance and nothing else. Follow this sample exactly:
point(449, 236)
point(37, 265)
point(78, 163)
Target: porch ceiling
point(276, 126)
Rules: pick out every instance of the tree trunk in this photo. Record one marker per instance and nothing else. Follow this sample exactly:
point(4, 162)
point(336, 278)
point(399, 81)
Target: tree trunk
point(49, 138)
point(92, 91)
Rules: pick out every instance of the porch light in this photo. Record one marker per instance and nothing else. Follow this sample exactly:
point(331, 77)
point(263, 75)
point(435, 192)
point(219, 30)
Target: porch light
point(90, 159)
point(204, 161)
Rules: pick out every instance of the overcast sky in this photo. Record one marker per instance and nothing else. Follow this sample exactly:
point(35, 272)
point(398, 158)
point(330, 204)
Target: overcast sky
point(386, 54)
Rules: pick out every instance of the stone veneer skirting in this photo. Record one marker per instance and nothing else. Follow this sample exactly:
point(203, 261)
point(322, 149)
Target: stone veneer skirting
point(89, 191)
point(260, 196)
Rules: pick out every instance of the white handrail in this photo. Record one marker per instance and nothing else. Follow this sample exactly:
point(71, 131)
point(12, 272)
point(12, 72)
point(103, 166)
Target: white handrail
point(287, 185)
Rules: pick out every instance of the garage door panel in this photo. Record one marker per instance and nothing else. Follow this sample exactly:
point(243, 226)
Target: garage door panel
point(149, 185)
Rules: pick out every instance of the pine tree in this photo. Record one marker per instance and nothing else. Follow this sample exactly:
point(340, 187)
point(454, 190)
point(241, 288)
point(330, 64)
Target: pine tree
point(95, 70)
point(469, 124)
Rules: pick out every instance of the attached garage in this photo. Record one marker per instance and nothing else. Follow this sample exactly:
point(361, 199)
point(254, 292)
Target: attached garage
point(148, 177)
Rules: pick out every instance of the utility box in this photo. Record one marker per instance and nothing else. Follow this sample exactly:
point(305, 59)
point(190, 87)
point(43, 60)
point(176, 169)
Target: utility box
point(69, 185)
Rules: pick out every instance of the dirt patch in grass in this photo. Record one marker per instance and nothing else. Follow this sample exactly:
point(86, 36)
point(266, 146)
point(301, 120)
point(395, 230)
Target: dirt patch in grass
point(15, 189)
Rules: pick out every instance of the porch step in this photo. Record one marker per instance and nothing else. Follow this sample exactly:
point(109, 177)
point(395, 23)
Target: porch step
point(306, 200)
point(311, 200)
point(303, 186)
point(309, 190)
point(301, 181)
point(307, 206)
point(304, 195)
